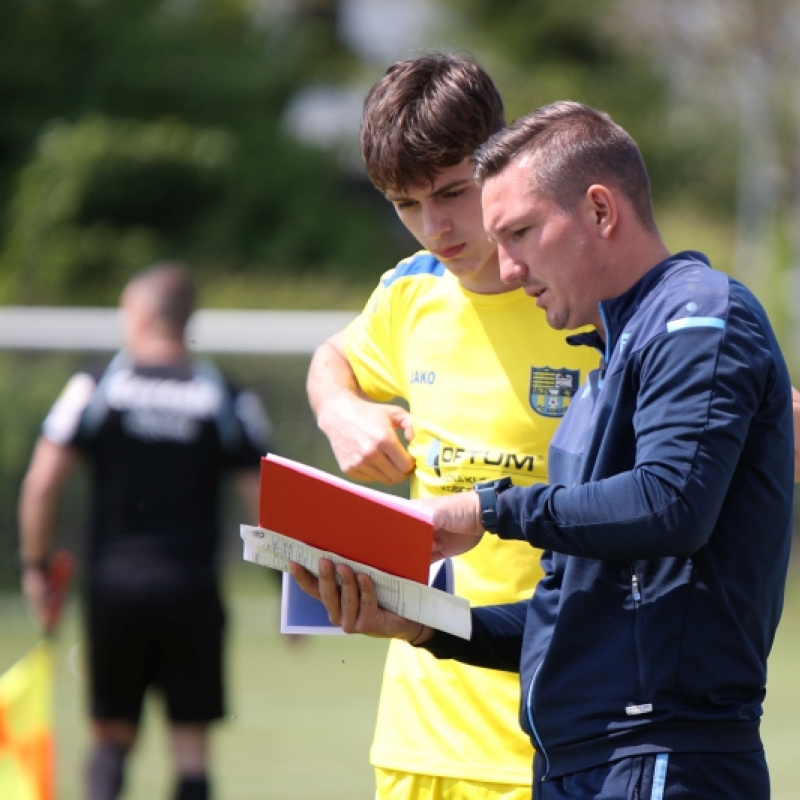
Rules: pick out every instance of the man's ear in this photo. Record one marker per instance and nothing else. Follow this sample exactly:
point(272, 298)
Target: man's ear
point(601, 205)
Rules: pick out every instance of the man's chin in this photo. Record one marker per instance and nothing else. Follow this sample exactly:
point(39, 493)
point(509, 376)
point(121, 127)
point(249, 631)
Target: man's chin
point(555, 321)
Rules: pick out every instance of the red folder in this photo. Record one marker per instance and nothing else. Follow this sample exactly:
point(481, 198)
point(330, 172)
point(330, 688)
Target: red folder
point(381, 530)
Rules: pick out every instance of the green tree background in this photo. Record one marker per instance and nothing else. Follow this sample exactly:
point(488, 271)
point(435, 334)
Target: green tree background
point(151, 128)
point(148, 129)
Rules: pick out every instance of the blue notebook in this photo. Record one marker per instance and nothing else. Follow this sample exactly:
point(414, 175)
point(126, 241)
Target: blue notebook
point(303, 614)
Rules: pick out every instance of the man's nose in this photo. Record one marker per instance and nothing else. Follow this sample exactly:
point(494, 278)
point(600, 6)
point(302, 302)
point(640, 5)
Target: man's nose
point(434, 223)
point(511, 269)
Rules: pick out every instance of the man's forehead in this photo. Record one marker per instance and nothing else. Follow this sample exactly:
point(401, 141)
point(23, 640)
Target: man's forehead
point(505, 199)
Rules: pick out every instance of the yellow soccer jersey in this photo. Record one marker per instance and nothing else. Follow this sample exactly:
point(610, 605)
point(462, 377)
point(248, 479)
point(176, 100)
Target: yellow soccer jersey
point(487, 382)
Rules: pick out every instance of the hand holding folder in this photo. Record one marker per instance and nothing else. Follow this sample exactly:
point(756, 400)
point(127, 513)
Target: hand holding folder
point(387, 532)
point(306, 514)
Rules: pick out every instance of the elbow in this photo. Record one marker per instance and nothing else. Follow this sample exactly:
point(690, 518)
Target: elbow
point(683, 531)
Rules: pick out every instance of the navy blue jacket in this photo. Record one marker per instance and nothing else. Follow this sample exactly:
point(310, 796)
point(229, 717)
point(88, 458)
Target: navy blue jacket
point(666, 529)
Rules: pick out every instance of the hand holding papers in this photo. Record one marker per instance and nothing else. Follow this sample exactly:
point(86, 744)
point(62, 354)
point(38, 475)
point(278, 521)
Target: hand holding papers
point(409, 599)
point(302, 614)
point(306, 514)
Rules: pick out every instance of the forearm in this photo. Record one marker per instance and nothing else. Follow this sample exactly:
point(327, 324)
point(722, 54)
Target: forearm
point(632, 515)
point(496, 641)
point(329, 375)
point(361, 431)
point(38, 513)
point(40, 499)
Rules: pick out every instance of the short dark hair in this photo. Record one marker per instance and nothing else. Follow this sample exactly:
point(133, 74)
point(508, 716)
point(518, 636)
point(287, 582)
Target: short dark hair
point(573, 146)
point(170, 289)
point(424, 115)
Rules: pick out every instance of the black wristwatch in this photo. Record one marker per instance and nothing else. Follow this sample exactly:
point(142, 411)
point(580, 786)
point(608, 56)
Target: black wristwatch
point(487, 495)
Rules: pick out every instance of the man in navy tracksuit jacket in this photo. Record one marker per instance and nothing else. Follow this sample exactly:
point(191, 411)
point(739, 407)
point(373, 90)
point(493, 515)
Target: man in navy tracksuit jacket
point(666, 525)
point(666, 561)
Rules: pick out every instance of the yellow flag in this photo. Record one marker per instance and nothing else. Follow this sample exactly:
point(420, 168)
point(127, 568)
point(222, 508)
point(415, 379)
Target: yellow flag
point(26, 736)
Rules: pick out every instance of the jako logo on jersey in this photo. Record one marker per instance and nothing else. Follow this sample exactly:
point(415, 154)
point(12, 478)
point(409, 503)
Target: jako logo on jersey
point(552, 389)
point(428, 377)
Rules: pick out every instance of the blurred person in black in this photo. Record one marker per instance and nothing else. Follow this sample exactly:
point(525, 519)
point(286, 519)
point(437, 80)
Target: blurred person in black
point(159, 431)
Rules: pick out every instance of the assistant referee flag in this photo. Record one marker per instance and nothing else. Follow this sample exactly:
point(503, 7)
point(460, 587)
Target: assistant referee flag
point(26, 735)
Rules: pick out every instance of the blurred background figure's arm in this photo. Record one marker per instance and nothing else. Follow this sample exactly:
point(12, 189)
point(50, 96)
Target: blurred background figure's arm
point(48, 474)
point(247, 485)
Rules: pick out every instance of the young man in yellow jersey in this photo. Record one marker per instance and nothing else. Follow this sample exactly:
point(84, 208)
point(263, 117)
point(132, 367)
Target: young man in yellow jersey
point(486, 381)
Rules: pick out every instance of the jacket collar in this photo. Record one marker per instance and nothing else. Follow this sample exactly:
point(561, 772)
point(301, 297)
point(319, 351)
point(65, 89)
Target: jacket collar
point(616, 311)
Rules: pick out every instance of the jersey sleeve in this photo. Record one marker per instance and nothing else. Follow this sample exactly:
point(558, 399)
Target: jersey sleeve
point(370, 344)
point(62, 423)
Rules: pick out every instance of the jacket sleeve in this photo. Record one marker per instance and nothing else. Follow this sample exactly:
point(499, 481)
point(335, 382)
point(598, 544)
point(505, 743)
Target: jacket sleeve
point(701, 403)
point(496, 641)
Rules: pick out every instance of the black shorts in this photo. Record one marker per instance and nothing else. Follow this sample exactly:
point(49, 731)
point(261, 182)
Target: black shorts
point(163, 631)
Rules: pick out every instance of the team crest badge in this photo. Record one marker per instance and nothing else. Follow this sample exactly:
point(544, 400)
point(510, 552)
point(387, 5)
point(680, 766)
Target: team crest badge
point(552, 389)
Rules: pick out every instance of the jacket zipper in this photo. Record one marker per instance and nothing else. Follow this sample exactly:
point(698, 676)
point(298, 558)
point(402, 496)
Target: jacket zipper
point(645, 708)
point(636, 593)
point(534, 730)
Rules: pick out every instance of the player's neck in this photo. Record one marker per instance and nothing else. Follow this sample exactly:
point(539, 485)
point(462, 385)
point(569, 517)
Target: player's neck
point(158, 351)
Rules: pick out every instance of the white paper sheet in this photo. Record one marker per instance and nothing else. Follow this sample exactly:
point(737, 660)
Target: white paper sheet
point(416, 601)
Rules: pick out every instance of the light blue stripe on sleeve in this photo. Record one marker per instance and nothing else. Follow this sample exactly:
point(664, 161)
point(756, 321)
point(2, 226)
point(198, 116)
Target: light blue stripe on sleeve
point(695, 322)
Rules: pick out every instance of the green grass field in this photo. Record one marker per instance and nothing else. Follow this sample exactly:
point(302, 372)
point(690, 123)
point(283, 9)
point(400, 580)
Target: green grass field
point(301, 715)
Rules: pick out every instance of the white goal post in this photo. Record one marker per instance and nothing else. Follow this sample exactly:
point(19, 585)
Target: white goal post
point(210, 330)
